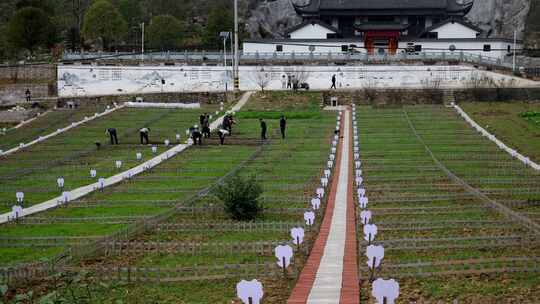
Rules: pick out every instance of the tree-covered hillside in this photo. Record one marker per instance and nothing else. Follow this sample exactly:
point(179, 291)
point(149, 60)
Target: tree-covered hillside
point(110, 25)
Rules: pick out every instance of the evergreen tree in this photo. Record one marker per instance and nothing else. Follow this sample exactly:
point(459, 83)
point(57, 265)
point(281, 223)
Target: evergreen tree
point(221, 19)
point(165, 32)
point(29, 29)
point(104, 22)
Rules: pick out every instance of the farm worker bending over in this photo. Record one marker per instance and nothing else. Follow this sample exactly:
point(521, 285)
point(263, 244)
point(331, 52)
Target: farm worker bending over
point(282, 126)
point(263, 129)
point(112, 135)
point(196, 135)
point(222, 133)
point(144, 135)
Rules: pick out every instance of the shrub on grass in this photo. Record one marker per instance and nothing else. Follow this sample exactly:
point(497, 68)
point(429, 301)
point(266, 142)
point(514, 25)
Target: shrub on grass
point(241, 197)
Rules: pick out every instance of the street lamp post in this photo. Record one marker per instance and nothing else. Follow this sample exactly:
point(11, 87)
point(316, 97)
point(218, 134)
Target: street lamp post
point(225, 36)
point(236, 56)
point(142, 42)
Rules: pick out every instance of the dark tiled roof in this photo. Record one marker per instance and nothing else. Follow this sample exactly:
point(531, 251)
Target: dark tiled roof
point(312, 22)
point(316, 6)
point(464, 23)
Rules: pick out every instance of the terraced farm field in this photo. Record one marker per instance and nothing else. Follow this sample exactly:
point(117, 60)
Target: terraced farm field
point(163, 236)
point(73, 154)
point(458, 218)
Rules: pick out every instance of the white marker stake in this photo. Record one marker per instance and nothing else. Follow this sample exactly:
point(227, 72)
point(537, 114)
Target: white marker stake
point(385, 291)
point(250, 292)
point(363, 203)
point(118, 164)
point(101, 183)
point(375, 254)
point(315, 203)
point(93, 173)
point(370, 232)
point(139, 156)
point(298, 235)
point(20, 197)
point(284, 254)
point(361, 192)
point(320, 192)
point(327, 173)
point(154, 149)
point(324, 182)
point(309, 217)
point(16, 211)
point(365, 216)
point(60, 182)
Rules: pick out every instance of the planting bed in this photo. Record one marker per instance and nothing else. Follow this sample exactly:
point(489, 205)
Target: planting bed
point(457, 234)
point(72, 154)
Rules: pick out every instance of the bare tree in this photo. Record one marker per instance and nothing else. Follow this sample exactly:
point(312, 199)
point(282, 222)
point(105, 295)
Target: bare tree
point(261, 77)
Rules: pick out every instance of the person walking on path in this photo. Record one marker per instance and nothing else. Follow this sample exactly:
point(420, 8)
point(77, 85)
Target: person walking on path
point(296, 84)
point(206, 126)
point(282, 125)
point(333, 82)
point(28, 95)
point(144, 136)
point(289, 82)
point(263, 129)
point(113, 136)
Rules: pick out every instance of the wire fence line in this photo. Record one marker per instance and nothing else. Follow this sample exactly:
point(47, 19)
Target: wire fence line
point(504, 210)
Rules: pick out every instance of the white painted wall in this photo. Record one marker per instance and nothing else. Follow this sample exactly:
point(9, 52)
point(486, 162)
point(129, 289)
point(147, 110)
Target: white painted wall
point(298, 47)
point(311, 31)
point(498, 48)
point(101, 80)
point(455, 30)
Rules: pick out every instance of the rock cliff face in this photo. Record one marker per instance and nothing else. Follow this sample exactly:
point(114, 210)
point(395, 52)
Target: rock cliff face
point(498, 18)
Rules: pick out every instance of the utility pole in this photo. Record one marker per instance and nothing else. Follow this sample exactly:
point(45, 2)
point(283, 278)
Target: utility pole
point(142, 42)
point(236, 56)
point(514, 55)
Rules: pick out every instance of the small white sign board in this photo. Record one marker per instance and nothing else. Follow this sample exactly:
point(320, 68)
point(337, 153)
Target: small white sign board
point(315, 203)
point(365, 216)
point(139, 155)
point(358, 173)
point(370, 231)
point(320, 192)
point(361, 192)
point(60, 182)
point(118, 164)
point(167, 142)
point(284, 254)
point(154, 149)
point(309, 217)
point(385, 289)
point(16, 212)
point(297, 235)
point(356, 156)
point(357, 164)
point(375, 254)
point(327, 173)
point(20, 196)
point(363, 203)
point(359, 180)
point(324, 182)
point(93, 173)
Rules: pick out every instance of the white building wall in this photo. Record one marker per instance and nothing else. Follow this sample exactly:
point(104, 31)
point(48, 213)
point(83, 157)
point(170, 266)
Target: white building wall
point(455, 30)
point(101, 80)
point(311, 31)
point(498, 48)
point(298, 47)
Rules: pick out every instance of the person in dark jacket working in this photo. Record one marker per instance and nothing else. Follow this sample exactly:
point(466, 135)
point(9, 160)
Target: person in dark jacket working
point(143, 133)
point(112, 135)
point(196, 135)
point(263, 129)
point(333, 82)
point(282, 125)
